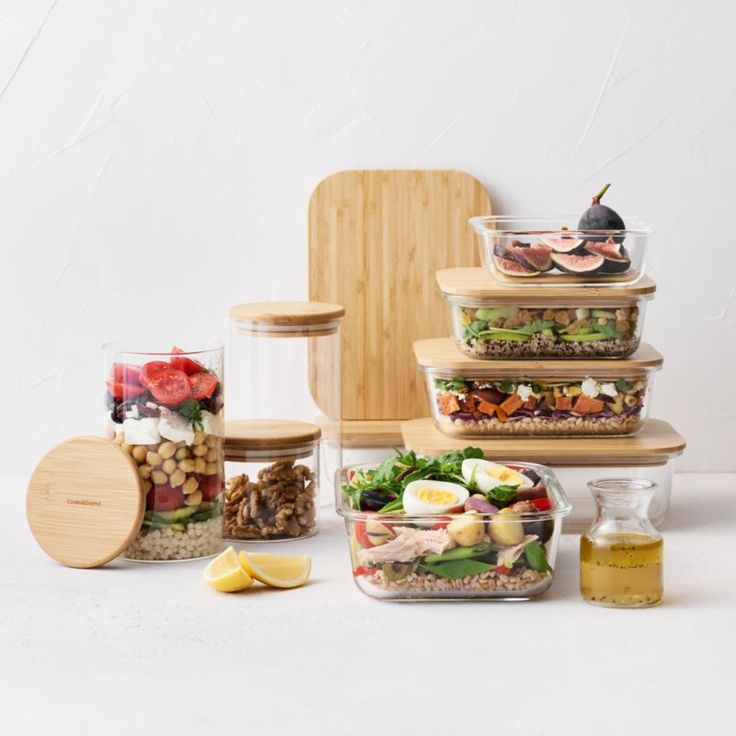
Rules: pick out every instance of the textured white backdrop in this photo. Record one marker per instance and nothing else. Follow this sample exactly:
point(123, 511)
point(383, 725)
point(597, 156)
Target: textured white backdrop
point(156, 159)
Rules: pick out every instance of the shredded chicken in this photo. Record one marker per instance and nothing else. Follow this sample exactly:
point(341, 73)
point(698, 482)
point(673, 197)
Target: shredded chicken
point(509, 555)
point(409, 544)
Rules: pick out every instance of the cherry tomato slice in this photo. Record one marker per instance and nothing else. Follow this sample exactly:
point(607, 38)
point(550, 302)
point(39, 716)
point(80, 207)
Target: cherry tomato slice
point(126, 373)
point(210, 485)
point(541, 504)
point(164, 498)
point(189, 366)
point(149, 370)
point(122, 391)
point(170, 386)
point(362, 535)
point(502, 569)
point(203, 385)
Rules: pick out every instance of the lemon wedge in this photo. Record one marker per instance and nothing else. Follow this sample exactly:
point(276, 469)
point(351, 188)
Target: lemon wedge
point(225, 573)
point(276, 570)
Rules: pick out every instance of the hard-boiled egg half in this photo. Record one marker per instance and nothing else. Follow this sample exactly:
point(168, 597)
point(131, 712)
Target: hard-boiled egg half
point(488, 475)
point(434, 497)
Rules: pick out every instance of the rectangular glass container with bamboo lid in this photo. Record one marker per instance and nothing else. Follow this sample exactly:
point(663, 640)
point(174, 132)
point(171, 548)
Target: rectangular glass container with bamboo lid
point(494, 320)
point(272, 479)
point(649, 454)
point(473, 397)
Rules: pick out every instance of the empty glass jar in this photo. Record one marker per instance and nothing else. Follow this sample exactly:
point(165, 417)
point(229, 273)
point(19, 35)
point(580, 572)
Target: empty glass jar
point(621, 554)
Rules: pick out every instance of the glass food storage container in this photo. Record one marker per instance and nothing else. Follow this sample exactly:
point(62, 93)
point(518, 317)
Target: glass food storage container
point(492, 320)
point(476, 398)
point(164, 406)
point(541, 251)
point(649, 454)
point(272, 486)
point(621, 554)
point(449, 541)
point(285, 363)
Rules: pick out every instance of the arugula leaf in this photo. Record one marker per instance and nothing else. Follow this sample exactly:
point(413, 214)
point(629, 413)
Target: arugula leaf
point(536, 557)
point(456, 569)
point(192, 410)
point(501, 495)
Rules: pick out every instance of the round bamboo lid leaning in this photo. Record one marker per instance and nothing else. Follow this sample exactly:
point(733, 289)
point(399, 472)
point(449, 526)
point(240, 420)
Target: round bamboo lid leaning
point(264, 437)
point(477, 283)
point(287, 319)
point(85, 502)
point(654, 444)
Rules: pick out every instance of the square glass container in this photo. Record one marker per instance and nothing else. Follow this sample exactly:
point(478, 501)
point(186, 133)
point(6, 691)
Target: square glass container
point(410, 576)
point(511, 398)
point(495, 321)
point(541, 251)
point(649, 454)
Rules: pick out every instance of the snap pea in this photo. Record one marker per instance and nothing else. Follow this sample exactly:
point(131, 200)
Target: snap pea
point(459, 553)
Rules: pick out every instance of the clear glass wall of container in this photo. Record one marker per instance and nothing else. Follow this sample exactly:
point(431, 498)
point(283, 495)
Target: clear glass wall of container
point(285, 364)
point(272, 487)
point(164, 406)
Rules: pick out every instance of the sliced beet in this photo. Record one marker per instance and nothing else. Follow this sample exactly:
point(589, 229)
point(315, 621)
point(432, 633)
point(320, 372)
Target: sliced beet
point(578, 264)
point(511, 267)
point(536, 257)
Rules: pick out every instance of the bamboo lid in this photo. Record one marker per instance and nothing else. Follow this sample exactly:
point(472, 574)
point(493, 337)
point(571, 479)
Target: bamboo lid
point(244, 435)
point(477, 283)
point(85, 502)
point(287, 316)
point(442, 354)
point(654, 444)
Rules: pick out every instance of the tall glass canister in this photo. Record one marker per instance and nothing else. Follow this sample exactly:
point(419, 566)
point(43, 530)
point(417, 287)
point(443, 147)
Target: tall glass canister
point(285, 364)
point(164, 406)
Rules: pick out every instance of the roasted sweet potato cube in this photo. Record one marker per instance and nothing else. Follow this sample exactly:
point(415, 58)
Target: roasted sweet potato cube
point(563, 403)
point(587, 405)
point(511, 404)
point(531, 403)
point(448, 404)
point(487, 408)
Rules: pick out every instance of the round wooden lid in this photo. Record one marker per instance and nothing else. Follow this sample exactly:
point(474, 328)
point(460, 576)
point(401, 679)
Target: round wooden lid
point(269, 434)
point(441, 354)
point(294, 315)
point(85, 502)
point(478, 284)
point(654, 444)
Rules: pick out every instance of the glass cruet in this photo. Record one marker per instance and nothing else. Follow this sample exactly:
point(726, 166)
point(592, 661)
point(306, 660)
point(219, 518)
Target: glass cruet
point(621, 553)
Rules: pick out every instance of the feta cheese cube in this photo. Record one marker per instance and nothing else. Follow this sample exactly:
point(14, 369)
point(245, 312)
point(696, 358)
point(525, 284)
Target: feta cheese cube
point(142, 431)
point(524, 391)
point(214, 423)
point(175, 427)
point(590, 388)
point(609, 389)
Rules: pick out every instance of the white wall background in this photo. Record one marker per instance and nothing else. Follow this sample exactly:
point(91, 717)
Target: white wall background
point(156, 159)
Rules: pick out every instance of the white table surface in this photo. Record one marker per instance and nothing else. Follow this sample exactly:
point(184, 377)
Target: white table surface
point(141, 648)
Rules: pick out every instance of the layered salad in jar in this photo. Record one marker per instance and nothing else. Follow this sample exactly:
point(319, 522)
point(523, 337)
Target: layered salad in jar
point(452, 526)
point(168, 415)
point(536, 407)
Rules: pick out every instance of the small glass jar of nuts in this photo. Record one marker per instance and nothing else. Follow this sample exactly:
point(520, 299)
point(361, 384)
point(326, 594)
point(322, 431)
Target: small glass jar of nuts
point(272, 471)
point(165, 408)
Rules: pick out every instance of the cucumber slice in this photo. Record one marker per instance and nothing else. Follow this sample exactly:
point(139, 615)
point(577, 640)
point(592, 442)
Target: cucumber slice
point(491, 313)
point(171, 517)
point(585, 337)
point(603, 313)
point(547, 332)
point(504, 335)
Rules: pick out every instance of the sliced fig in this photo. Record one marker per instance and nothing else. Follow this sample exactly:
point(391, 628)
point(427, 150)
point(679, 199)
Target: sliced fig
point(570, 263)
point(563, 244)
point(512, 267)
point(616, 258)
point(534, 256)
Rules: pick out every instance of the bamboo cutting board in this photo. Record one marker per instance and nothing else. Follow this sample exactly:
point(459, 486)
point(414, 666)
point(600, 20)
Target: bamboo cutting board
point(376, 239)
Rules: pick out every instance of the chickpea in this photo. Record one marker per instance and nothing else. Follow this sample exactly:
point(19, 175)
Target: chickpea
point(139, 453)
point(127, 447)
point(147, 485)
point(119, 438)
point(193, 499)
point(182, 453)
point(211, 455)
point(187, 465)
point(177, 478)
point(169, 466)
point(211, 440)
point(199, 465)
point(144, 471)
point(198, 438)
point(210, 469)
point(154, 459)
point(166, 450)
point(199, 450)
point(159, 477)
point(191, 484)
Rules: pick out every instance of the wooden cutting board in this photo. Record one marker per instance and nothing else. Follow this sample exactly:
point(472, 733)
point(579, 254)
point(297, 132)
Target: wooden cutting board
point(376, 239)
